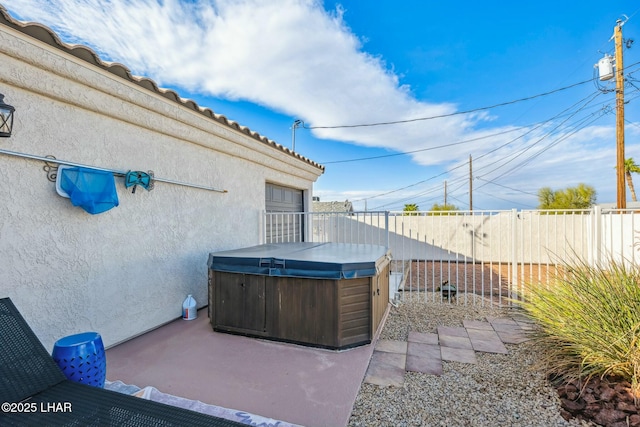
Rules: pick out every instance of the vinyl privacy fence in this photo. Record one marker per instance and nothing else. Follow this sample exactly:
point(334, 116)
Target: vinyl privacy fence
point(486, 255)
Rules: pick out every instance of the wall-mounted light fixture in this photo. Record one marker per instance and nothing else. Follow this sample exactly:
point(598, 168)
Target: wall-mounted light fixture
point(6, 118)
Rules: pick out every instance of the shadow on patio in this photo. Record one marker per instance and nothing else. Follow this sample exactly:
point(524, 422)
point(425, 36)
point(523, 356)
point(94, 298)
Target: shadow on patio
point(296, 384)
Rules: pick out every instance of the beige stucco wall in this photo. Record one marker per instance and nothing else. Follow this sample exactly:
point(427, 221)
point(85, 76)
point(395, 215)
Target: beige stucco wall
point(127, 270)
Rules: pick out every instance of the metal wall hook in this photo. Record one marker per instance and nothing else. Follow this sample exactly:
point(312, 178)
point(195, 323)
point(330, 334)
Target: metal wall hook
point(51, 168)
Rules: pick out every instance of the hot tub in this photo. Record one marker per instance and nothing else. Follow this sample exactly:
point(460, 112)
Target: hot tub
point(331, 295)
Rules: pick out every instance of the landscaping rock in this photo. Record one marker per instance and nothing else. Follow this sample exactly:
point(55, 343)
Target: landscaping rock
point(607, 402)
point(499, 390)
point(573, 406)
point(608, 417)
point(607, 393)
point(627, 407)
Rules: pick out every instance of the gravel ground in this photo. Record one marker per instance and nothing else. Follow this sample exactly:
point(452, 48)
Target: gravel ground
point(500, 390)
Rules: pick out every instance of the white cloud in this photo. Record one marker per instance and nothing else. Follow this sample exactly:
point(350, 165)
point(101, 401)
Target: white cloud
point(288, 55)
point(295, 57)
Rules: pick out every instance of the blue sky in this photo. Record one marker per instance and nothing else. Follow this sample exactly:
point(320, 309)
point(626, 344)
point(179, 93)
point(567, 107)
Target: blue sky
point(340, 65)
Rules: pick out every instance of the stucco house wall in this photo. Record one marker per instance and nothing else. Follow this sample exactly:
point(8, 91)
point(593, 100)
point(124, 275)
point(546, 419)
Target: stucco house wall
point(127, 270)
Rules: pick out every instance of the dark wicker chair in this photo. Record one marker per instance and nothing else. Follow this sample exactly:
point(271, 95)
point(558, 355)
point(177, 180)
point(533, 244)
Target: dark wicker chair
point(32, 385)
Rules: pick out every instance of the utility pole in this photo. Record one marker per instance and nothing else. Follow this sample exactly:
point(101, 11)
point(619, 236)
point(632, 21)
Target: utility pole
point(470, 183)
point(622, 191)
point(445, 194)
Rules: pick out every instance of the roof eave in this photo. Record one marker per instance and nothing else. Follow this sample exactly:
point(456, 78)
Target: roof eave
point(48, 36)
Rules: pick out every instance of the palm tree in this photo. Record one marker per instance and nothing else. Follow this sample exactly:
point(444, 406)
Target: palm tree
point(631, 167)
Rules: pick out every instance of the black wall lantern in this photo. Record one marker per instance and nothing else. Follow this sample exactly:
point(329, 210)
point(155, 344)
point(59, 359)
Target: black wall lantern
point(6, 118)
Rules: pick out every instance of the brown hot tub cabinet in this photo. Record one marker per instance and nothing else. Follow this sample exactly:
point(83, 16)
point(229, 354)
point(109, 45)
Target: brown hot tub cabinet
point(330, 295)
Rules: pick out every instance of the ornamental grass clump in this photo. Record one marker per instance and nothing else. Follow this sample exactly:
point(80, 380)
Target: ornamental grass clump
point(589, 320)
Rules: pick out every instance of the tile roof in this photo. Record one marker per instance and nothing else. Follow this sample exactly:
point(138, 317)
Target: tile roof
point(48, 36)
point(345, 206)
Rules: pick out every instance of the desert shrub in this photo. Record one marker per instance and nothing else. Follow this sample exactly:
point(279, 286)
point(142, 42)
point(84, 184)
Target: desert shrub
point(589, 318)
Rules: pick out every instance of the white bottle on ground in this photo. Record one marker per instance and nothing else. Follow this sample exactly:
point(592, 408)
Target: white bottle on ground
point(189, 310)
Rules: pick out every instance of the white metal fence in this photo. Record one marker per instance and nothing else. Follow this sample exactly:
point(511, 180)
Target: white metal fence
point(486, 255)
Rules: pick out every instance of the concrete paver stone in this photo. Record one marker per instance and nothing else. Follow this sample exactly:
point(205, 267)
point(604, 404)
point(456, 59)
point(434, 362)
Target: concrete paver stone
point(386, 369)
point(501, 321)
point(424, 338)
point(479, 334)
point(458, 355)
point(513, 337)
point(424, 352)
point(453, 331)
point(424, 364)
point(395, 360)
point(455, 342)
point(476, 324)
point(391, 346)
point(506, 327)
point(430, 351)
point(384, 377)
point(489, 346)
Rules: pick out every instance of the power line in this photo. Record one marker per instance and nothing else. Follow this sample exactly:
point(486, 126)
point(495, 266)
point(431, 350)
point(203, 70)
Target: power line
point(464, 164)
point(456, 199)
point(539, 125)
point(593, 95)
point(506, 200)
point(633, 14)
point(595, 116)
point(551, 145)
point(525, 161)
point(632, 123)
point(408, 186)
point(466, 141)
point(505, 186)
point(581, 125)
point(462, 181)
point(404, 153)
point(502, 104)
point(451, 114)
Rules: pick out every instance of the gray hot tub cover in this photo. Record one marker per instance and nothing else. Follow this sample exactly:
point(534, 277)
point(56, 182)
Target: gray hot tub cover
point(310, 260)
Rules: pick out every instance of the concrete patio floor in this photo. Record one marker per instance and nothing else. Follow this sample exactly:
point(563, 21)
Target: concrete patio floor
point(297, 384)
